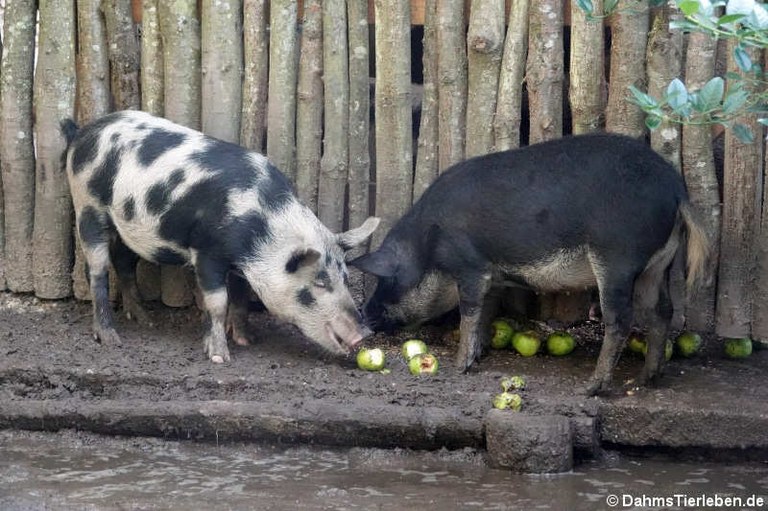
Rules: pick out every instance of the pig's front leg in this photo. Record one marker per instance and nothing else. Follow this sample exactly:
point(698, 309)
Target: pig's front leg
point(212, 279)
point(472, 293)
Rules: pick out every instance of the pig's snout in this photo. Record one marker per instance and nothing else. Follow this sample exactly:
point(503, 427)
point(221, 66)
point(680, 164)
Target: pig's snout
point(347, 333)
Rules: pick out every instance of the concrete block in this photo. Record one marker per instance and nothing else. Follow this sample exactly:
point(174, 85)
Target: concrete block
point(528, 443)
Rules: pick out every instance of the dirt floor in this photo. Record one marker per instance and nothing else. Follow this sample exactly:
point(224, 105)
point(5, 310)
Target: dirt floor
point(54, 375)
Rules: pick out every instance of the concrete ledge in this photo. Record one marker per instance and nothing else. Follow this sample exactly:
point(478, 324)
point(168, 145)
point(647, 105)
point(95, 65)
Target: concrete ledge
point(314, 422)
point(528, 443)
point(646, 425)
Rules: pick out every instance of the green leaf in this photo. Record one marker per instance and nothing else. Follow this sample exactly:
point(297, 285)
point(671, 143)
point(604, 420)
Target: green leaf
point(729, 18)
point(743, 133)
point(610, 5)
point(742, 59)
point(684, 25)
point(763, 121)
point(689, 7)
point(585, 5)
point(657, 3)
point(734, 100)
point(711, 94)
point(653, 122)
point(730, 75)
point(676, 95)
point(642, 99)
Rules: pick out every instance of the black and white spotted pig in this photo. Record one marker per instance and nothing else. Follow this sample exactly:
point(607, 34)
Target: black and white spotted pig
point(142, 185)
point(593, 210)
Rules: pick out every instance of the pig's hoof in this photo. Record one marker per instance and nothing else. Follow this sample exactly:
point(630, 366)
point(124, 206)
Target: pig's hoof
point(108, 337)
point(216, 349)
point(596, 387)
point(137, 313)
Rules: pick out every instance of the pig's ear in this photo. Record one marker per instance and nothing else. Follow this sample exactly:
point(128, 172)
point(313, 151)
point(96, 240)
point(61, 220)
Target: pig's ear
point(376, 263)
point(353, 237)
point(300, 259)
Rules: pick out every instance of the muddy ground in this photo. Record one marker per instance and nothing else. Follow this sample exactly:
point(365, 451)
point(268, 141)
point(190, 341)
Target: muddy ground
point(53, 375)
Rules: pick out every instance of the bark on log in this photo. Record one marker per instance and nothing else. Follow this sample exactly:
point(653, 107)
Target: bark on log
point(587, 71)
point(93, 101)
point(741, 181)
point(485, 42)
point(508, 108)
point(309, 105)
point(281, 115)
point(222, 68)
point(394, 138)
point(256, 52)
point(2, 219)
point(152, 69)
point(180, 29)
point(629, 37)
point(17, 153)
point(426, 155)
point(152, 101)
point(664, 63)
point(54, 98)
point(334, 166)
point(545, 70)
point(124, 55)
point(452, 83)
point(359, 112)
point(359, 175)
point(701, 181)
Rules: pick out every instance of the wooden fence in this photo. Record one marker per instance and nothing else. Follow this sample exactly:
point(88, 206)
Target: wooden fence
point(293, 79)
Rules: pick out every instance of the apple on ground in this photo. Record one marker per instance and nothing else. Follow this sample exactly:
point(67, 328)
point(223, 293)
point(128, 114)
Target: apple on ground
point(526, 343)
point(512, 383)
point(688, 344)
point(425, 363)
point(371, 359)
point(560, 343)
point(507, 400)
point(413, 347)
point(738, 348)
point(501, 335)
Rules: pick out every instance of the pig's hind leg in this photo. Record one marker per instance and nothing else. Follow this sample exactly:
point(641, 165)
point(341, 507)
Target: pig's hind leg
point(654, 310)
point(94, 228)
point(124, 261)
point(616, 289)
point(212, 279)
point(237, 316)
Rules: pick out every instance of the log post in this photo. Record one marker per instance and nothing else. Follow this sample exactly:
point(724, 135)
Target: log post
point(309, 105)
point(510, 99)
point(452, 82)
point(485, 42)
point(17, 153)
point(256, 52)
point(426, 155)
point(180, 29)
point(54, 100)
point(394, 139)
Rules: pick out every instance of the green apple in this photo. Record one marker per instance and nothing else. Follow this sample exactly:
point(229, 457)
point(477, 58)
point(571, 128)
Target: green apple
point(669, 348)
point(507, 400)
point(688, 344)
point(636, 344)
point(371, 359)
point(501, 335)
point(738, 348)
point(413, 347)
point(526, 343)
point(425, 363)
point(560, 343)
point(512, 383)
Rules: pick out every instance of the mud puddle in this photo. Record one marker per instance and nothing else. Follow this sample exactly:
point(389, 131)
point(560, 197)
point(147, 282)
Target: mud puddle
point(69, 471)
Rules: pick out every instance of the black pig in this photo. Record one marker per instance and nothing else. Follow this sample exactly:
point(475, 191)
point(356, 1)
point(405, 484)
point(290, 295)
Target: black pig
point(593, 210)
